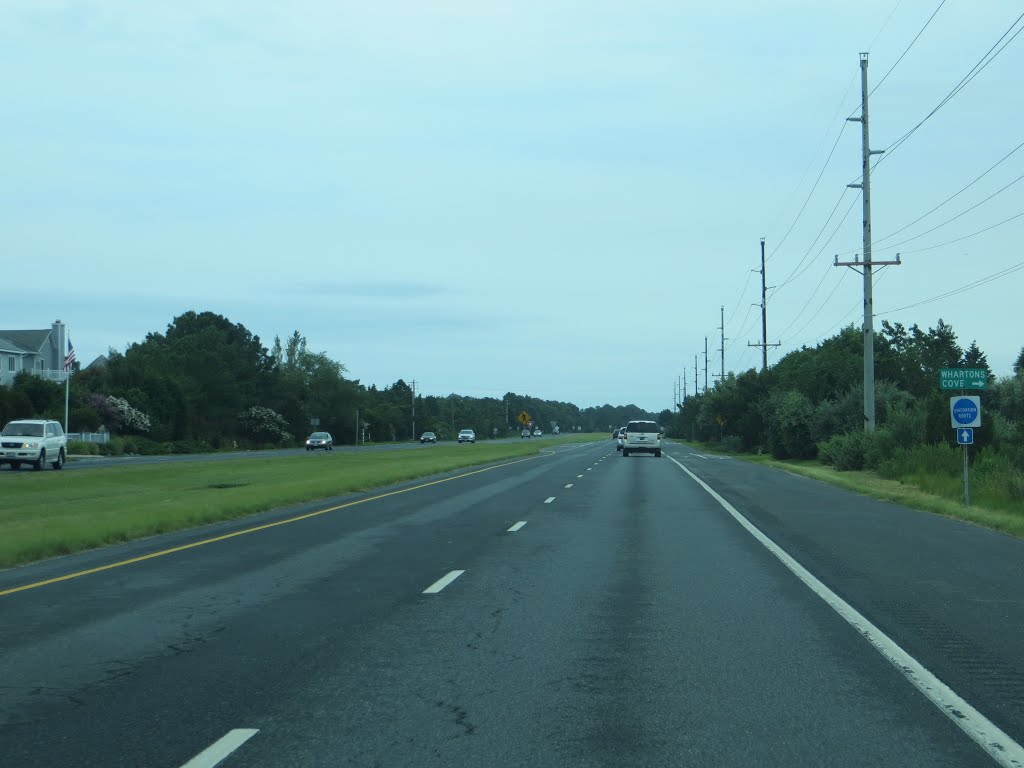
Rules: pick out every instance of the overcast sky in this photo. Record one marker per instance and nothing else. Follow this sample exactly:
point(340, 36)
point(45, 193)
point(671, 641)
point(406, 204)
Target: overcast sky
point(551, 197)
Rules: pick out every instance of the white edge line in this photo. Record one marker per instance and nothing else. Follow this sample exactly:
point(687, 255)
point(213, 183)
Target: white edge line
point(989, 737)
point(517, 526)
point(221, 748)
point(549, 499)
point(443, 582)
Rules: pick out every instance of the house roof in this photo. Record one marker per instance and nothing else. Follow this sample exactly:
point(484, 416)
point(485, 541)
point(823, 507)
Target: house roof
point(99, 362)
point(6, 345)
point(27, 341)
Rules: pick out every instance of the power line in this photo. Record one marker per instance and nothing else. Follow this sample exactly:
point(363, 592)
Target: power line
point(907, 49)
point(950, 221)
point(983, 62)
point(965, 237)
point(818, 311)
point(962, 289)
point(956, 194)
point(792, 274)
point(740, 300)
point(814, 187)
point(810, 298)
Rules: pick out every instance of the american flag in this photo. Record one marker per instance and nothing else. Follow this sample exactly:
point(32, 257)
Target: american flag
point(70, 359)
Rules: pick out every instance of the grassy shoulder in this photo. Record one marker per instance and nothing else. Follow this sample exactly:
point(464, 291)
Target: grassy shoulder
point(53, 513)
point(917, 493)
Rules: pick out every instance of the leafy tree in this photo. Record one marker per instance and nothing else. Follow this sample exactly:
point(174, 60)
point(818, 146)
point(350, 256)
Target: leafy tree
point(46, 397)
point(788, 416)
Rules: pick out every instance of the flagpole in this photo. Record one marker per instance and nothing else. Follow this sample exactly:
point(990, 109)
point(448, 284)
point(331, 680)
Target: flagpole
point(68, 363)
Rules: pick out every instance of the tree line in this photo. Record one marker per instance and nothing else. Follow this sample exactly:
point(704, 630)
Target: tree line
point(809, 405)
point(208, 383)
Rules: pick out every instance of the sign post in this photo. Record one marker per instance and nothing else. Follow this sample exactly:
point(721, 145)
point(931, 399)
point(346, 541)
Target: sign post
point(965, 415)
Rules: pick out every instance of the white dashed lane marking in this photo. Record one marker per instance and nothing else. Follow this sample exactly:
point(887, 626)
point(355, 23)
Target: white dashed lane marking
point(517, 526)
point(221, 748)
point(569, 485)
point(549, 499)
point(443, 582)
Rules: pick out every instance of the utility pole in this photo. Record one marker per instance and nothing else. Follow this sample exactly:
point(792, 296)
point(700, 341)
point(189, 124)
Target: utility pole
point(705, 363)
point(764, 317)
point(414, 409)
point(722, 348)
point(867, 264)
point(695, 379)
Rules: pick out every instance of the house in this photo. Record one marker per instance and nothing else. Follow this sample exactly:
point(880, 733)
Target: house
point(40, 352)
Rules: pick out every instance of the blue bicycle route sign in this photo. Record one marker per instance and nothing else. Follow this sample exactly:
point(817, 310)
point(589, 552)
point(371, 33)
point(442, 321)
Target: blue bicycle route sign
point(965, 411)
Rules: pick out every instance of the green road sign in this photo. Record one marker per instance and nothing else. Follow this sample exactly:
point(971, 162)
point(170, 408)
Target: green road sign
point(963, 378)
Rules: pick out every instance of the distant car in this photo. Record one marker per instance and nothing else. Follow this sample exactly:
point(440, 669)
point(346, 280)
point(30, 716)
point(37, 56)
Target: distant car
point(642, 437)
point(467, 436)
point(620, 435)
point(320, 440)
point(537, 433)
point(428, 437)
point(33, 441)
point(526, 433)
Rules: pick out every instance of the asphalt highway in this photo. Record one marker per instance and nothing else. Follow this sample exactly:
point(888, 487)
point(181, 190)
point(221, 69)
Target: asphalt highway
point(574, 609)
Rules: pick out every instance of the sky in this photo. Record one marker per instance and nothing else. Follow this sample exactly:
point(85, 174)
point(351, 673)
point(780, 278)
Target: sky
point(557, 198)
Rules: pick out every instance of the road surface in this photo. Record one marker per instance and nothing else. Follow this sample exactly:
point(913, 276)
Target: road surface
point(574, 609)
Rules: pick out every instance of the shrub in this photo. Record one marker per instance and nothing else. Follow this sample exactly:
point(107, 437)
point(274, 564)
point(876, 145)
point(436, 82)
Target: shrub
point(788, 418)
point(264, 425)
point(732, 444)
point(906, 424)
point(83, 448)
point(878, 446)
point(844, 452)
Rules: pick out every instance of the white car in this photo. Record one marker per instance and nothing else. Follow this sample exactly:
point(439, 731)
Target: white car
point(467, 436)
point(35, 442)
point(642, 437)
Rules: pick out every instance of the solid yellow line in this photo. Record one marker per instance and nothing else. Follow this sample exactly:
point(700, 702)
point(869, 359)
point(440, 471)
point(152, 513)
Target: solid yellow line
point(204, 542)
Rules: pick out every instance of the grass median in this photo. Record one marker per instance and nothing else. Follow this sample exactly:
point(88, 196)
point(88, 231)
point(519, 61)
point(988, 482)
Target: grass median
point(49, 513)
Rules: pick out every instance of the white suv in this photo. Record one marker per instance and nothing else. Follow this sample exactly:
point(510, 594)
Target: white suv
point(33, 441)
point(642, 437)
point(467, 436)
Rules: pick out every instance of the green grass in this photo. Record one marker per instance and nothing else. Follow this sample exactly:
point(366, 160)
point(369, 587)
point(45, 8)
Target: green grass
point(49, 513)
point(928, 492)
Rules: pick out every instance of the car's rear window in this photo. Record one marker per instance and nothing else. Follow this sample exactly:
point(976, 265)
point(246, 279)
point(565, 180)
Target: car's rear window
point(642, 426)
